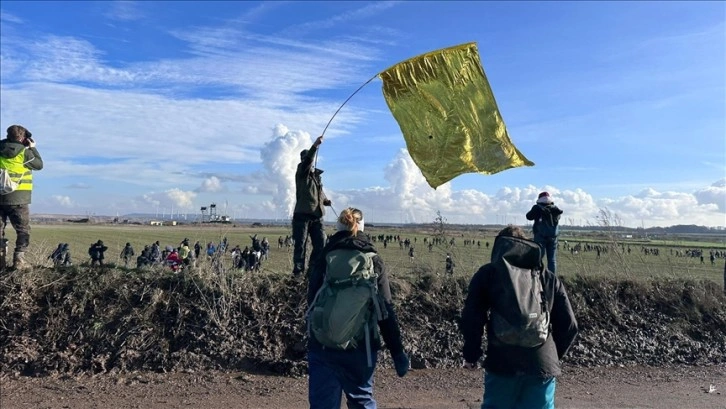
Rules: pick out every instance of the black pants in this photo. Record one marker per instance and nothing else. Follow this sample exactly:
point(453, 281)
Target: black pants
point(19, 216)
point(301, 228)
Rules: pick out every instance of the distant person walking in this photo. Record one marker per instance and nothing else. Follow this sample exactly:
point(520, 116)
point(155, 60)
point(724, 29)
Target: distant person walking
point(529, 321)
point(127, 254)
point(96, 251)
point(18, 159)
point(449, 264)
point(546, 228)
point(307, 218)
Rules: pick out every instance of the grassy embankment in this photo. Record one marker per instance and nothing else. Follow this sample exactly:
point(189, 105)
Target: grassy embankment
point(632, 308)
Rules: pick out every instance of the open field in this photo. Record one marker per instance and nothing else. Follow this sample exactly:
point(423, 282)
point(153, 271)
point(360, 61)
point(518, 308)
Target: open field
point(468, 258)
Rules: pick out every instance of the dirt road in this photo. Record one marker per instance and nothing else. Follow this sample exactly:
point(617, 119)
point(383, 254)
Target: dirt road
point(598, 388)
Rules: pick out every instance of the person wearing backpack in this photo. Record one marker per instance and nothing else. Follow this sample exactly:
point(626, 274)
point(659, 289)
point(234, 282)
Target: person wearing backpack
point(529, 321)
point(96, 251)
point(546, 228)
point(18, 159)
point(350, 309)
point(126, 254)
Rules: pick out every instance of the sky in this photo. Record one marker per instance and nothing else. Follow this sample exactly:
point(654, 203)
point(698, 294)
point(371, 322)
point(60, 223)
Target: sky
point(165, 107)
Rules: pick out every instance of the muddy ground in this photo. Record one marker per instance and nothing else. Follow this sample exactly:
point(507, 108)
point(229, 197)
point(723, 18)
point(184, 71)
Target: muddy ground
point(682, 387)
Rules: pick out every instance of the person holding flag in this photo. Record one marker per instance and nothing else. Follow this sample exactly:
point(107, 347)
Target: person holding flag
point(307, 218)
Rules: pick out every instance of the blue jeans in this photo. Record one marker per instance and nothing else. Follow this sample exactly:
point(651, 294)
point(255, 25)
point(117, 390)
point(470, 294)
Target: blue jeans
point(332, 372)
point(549, 244)
point(301, 228)
point(518, 392)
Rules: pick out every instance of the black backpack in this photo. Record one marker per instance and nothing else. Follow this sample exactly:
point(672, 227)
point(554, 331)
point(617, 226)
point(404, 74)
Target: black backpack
point(520, 312)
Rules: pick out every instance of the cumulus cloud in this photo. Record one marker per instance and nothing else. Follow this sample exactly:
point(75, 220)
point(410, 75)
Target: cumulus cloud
point(172, 198)
point(280, 158)
point(713, 195)
point(211, 185)
point(63, 201)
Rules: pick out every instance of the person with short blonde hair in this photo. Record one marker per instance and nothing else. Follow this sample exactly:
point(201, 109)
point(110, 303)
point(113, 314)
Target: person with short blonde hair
point(335, 371)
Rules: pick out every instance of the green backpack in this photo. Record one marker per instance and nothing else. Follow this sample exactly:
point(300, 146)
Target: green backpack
point(347, 307)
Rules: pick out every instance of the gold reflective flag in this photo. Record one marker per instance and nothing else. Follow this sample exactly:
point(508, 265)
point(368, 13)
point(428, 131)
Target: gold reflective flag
point(446, 110)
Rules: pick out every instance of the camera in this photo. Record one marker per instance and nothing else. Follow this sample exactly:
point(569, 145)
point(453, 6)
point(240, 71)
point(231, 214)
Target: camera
point(28, 138)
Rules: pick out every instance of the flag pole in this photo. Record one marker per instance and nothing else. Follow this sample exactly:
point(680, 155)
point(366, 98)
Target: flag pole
point(338, 110)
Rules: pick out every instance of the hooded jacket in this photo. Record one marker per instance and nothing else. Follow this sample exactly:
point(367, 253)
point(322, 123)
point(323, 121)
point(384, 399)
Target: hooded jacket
point(32, 160)
point(309, 188)
point(484, 291)
point(390, 331)
point(546, 220)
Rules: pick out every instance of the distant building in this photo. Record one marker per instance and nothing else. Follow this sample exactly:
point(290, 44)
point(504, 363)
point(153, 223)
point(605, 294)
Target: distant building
point(156, 223)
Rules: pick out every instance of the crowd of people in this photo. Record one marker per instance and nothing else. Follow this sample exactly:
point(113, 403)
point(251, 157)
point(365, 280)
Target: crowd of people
point(176, 258)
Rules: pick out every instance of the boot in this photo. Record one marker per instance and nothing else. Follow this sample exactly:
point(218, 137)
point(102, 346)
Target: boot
point(19, 262)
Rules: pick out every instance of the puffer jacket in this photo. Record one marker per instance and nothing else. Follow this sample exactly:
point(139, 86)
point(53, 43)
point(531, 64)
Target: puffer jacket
point(309, 188)
point(390, 331)
point(33, 161)
point(484, 289)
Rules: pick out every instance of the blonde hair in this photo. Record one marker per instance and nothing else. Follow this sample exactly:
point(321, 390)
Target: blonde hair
point(350, 219)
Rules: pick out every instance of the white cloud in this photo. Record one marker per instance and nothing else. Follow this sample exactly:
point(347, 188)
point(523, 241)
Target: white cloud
point(280, 158)
point(121, 10)
point(172, 198)
point(10, 18)
point(63, 201)
point(713, 195)
point(79, 185)
point(211, 184)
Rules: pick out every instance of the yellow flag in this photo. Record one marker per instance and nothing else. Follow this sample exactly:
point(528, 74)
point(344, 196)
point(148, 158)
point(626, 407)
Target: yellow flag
point(446, 110)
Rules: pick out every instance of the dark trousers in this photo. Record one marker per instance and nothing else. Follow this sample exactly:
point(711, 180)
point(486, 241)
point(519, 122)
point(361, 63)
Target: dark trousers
point(19, 216)
point(301, 228)
point(333, 372)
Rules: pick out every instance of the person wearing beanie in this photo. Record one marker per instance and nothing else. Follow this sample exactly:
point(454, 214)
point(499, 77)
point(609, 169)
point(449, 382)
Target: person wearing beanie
point(546, 217)
point(351, 280)
point(307, 218)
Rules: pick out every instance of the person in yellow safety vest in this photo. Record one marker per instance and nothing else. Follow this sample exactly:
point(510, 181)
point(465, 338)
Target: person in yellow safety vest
point(18, 159)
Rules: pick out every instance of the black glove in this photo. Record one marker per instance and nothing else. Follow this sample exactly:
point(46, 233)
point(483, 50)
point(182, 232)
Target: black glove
point(401, 363)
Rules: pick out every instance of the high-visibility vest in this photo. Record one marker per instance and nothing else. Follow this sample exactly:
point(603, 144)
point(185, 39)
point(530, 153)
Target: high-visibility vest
point(17, 171)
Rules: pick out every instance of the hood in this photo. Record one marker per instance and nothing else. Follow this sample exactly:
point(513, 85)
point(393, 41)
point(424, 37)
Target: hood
point(518, 252)
point(10, 149)
point(346, 240)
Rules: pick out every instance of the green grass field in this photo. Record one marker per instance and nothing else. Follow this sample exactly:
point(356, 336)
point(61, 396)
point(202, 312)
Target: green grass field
point(636, 265)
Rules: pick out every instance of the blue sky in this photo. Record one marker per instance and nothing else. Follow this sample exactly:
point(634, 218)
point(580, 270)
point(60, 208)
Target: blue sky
point(149, 106)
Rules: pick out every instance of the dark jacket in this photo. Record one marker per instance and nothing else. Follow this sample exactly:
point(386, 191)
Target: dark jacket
point(309, 188)
point(545, 228)
point(96, 251)
point(33, 161)
point(390, 330)
point(484, 288)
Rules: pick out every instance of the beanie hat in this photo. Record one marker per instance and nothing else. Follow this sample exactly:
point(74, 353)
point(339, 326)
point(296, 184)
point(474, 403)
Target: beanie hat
point(544, 198)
